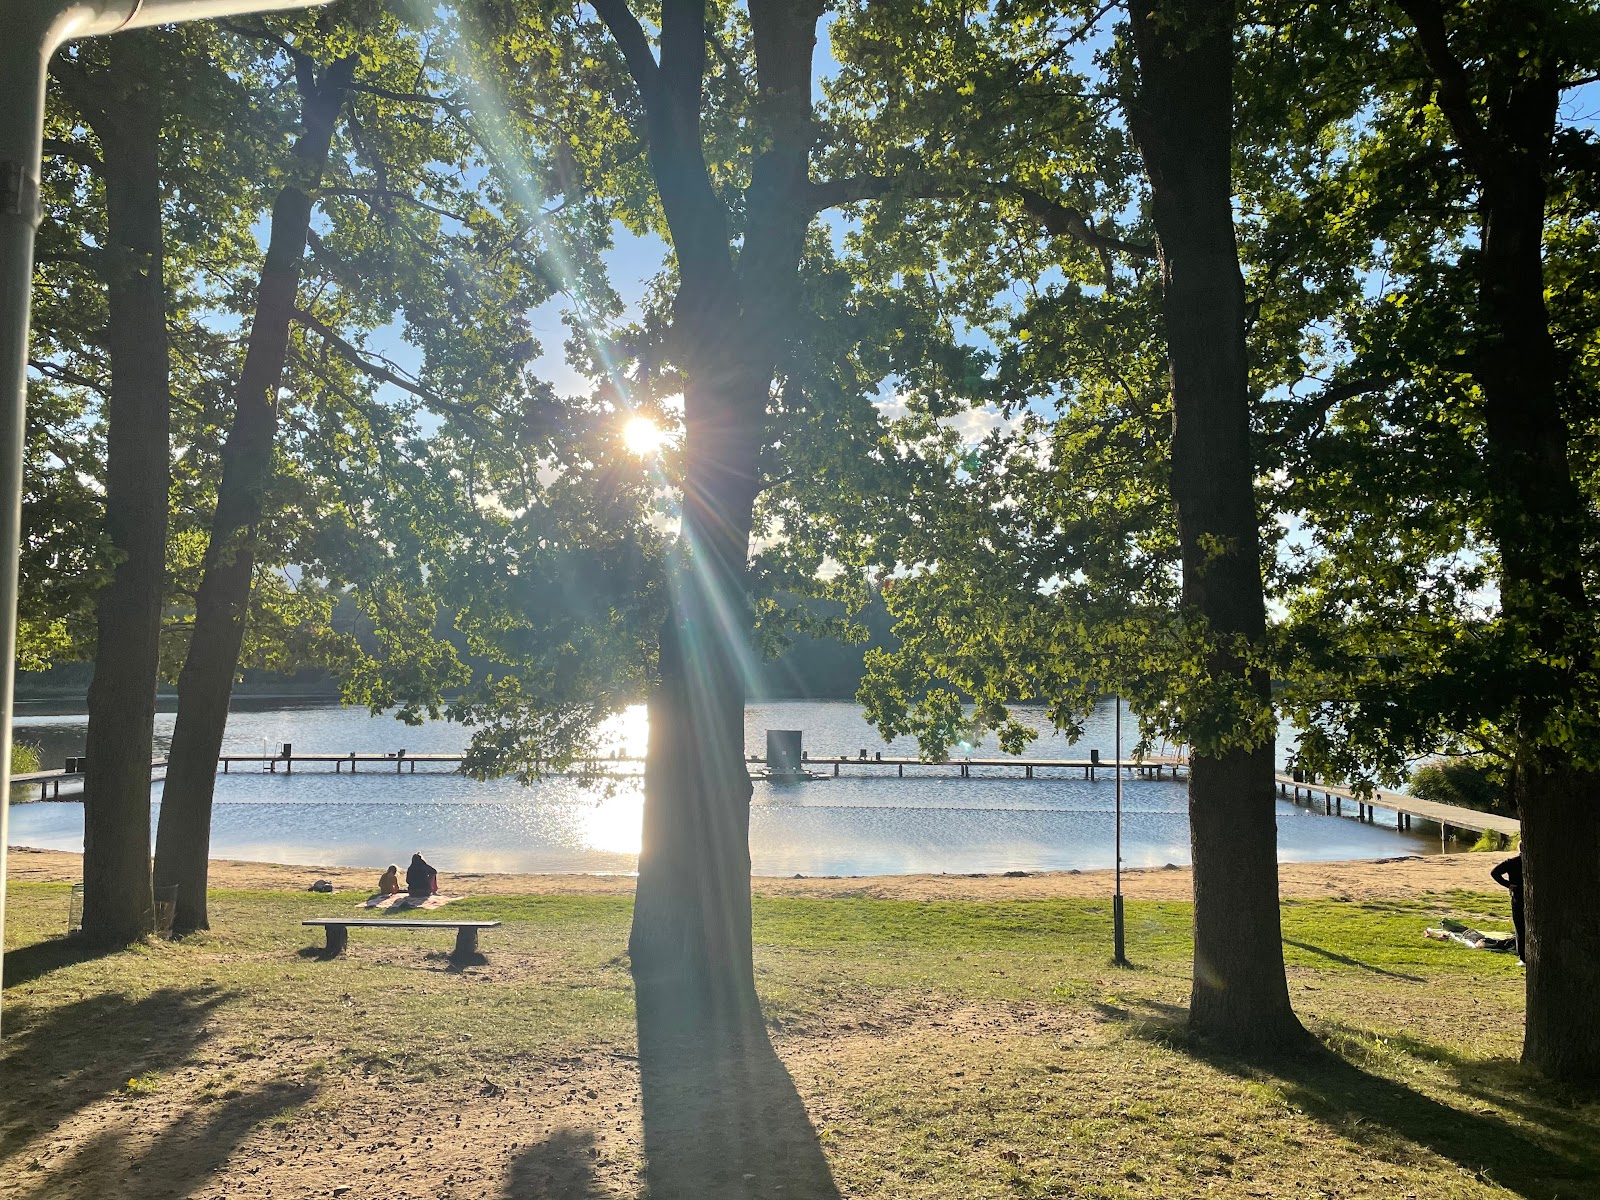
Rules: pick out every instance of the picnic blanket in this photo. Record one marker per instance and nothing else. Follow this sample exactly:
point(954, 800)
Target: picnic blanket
point(402, 902)
point(1473, 939)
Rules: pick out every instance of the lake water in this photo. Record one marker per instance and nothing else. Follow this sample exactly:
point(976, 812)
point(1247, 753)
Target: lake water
point(931, 821)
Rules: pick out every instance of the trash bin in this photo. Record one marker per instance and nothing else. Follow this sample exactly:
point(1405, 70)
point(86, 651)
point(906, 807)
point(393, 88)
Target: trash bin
point(75, 910)
point(166, 908)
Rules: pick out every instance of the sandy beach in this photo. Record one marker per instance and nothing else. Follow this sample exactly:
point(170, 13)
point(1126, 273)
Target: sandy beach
point(1393, 878)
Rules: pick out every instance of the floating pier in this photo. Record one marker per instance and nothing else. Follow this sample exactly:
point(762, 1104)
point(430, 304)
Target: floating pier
point(1333, 797)
point(1447, 816)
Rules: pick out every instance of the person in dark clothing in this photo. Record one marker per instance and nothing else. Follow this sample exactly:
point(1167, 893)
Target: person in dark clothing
point(1509, 876)
point(422, 880)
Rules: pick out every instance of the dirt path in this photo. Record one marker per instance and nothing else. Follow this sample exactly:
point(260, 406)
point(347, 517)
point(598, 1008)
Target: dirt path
point(1393, 878)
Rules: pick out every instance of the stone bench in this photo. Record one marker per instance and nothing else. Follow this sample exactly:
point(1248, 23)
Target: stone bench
point(338, 931)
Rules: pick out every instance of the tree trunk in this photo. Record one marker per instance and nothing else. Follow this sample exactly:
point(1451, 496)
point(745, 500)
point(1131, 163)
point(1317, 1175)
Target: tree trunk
point(692, 904)
point(1561, 864)
point(116, 836)
point(183, 837)
point(1538, 518)
point(1182, 119)
point(1539, 522)
point(691, 924)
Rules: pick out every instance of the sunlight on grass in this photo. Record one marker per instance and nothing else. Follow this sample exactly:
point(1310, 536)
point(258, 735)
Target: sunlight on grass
point(941, 1050)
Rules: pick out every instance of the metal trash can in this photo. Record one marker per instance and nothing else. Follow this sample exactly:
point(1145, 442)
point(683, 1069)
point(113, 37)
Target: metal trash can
point(75, 911)
point(166, 908)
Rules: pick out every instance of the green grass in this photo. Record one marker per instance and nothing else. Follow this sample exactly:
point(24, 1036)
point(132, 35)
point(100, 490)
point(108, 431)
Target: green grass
point(948, 1049)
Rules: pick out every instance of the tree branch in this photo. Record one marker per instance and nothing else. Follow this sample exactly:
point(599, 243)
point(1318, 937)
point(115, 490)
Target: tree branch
point(391, 194)
point(77, 85)
point(1057, 218)
point(353, 355)
point(258, 34)
point(635, 46)
point(78, 152)
point(1063, 219)
point(1311, 414)
point(1454, 93)
point(375, 371)
point(68, 376)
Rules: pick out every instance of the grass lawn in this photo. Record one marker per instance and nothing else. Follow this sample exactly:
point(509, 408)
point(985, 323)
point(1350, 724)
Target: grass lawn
point(949, 1049)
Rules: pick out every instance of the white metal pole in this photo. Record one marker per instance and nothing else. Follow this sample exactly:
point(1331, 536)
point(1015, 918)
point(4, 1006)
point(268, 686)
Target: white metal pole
point(1119, 947)
point(30, 32)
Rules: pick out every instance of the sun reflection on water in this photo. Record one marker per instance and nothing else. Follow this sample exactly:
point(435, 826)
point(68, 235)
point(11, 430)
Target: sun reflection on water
point(627, 733)
point(614, 822)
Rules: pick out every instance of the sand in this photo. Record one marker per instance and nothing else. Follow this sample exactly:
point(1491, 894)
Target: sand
point(1387, 878)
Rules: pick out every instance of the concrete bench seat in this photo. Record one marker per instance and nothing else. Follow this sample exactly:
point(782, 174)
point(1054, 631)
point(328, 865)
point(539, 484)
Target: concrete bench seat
point(338, 931)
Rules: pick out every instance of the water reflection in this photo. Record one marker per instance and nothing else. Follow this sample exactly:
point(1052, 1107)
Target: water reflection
point(853, 825)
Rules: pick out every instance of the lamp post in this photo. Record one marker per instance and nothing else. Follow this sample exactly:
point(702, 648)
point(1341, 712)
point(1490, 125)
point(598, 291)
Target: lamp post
point(1118, 953)
point(33, 31)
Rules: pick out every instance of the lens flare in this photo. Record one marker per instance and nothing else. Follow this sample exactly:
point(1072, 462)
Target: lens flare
point(642, 436)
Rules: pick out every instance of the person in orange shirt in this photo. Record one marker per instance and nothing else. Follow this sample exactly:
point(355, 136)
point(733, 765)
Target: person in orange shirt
point(389, 881)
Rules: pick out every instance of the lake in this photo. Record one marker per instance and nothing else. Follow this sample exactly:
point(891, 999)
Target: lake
point(934, 821)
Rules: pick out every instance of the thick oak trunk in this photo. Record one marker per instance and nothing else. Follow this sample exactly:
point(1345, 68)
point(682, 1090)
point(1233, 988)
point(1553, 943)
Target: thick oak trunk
point(691, 925)
point(183, 837)
point(1183, 121)
point(1539, 521)
point(117, 904)
point(1561, 869)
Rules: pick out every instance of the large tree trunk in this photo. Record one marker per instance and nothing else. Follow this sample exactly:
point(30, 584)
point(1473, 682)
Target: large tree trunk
point(691, 924)
point(1540, 524)
point(1183, 121)
point(1561, 868)
point(692, 904)
point(183, 836)
point(116, 837)
point(1539, 521)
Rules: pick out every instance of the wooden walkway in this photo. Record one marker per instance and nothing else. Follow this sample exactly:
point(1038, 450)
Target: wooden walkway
point(403, 763)
point(1333, 797)
point(1159, 767)
point(1447, 816)
point(50, 781)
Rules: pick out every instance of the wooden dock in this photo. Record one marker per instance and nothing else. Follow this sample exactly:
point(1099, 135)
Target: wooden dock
point(50, 781)
point(1160, 767)
point(1333, 796)
point(1447, 816)
point(402, 762)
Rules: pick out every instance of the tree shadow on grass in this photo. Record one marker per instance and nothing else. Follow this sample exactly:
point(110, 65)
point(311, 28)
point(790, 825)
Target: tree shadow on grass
point(27, 963)
point(1565, 1118)
point(560, 1166)
point(1346, 960)
point(1376, 1112)
point(190, 1150)
point(77, 1053)
point(722, 1118)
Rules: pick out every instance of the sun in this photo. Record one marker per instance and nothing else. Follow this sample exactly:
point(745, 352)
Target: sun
point(642, 436)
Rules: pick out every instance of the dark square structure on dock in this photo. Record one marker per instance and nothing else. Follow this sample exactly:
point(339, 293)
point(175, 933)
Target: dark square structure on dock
point(783, 751)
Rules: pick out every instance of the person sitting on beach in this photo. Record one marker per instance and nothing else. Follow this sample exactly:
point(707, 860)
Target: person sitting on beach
point(389, 881)
point(422, 880)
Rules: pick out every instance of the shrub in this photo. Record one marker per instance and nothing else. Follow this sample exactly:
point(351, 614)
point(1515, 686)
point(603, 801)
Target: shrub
point(1467, 783)
point(25, 757)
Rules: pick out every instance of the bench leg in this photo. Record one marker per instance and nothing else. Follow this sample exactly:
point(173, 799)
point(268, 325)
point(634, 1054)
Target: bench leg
point(338, 938)
point(466, 943)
